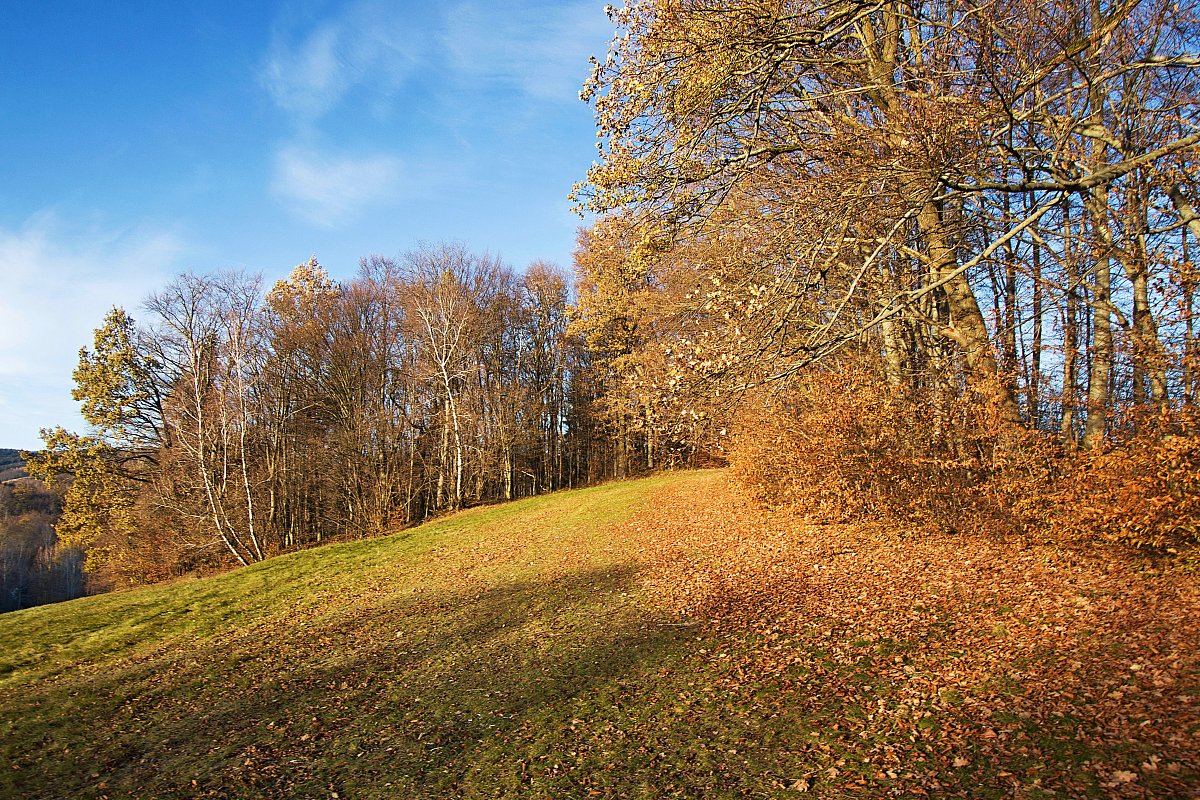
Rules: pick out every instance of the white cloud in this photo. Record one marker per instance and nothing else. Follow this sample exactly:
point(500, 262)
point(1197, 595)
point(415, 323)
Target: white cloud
point(331, 190)
point(308, 70)
point(538, 49)
point(57, 281)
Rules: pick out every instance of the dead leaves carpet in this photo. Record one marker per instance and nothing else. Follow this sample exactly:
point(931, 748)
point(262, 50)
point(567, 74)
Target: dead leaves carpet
point(939, 665)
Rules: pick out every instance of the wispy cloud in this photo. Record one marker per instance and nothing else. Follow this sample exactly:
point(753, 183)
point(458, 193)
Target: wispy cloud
point(360, 56)
point(330, 190)
point(310, 66)
point(537, 48)
point(59, 281)
point(388, 99)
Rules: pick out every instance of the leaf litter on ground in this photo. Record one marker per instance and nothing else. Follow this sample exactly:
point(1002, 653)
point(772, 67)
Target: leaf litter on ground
point(945, 664)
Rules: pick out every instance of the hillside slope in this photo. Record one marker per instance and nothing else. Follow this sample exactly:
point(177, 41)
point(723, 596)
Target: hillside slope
point(12, 466)
point(652, 638)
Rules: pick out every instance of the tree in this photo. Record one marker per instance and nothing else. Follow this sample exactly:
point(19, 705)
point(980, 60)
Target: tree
point(296, 420)
point(116, 387)
point(445, 289)
point(99, 496)
point(203, 338)
point(121, 397)
point(876, 134)
point(542, 315)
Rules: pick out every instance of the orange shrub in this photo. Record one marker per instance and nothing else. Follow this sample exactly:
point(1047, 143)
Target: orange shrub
point(847, 446)
point(1144, 493)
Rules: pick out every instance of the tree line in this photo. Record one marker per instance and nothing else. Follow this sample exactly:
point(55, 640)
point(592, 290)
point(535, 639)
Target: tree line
point(34, 567)
point(229, 424)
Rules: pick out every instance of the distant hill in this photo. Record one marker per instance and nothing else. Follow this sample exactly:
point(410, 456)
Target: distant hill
point(11, 464)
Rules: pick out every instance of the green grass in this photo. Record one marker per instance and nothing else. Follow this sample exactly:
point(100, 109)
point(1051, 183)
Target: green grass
point(504, 651)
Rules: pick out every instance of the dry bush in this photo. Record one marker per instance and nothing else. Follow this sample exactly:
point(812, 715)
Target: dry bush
point(848, 447)
point(1143, 492)
point(161, 545)
point(1140, 491)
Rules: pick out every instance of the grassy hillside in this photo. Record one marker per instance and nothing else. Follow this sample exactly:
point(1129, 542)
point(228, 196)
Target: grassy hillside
point(653, 638)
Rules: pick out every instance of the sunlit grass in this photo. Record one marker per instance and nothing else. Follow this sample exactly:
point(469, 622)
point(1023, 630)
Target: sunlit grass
point(408, 661)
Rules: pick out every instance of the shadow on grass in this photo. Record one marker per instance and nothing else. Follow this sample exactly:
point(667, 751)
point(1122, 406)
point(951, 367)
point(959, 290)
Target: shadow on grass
point(402, 699)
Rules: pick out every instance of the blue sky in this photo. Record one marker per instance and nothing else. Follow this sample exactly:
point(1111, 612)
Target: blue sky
point(142, 139)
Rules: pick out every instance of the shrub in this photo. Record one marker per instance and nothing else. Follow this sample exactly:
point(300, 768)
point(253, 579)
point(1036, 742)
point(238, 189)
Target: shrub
point(848, 447)
point(1144, 493)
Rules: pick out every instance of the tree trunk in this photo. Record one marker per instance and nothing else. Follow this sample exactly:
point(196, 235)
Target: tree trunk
point(1100, 371)
point(1035, 354)
point(1070, 389)
point(967, 327)
point(1150, 379)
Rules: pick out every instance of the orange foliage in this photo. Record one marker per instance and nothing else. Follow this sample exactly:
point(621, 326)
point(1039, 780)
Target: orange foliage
point(847, 446)
point(1143, 493)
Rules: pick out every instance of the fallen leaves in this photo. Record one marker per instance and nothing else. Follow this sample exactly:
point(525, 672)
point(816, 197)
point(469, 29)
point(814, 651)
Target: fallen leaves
point(1042, 665)
point(801, 784)
point(1123, 776)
